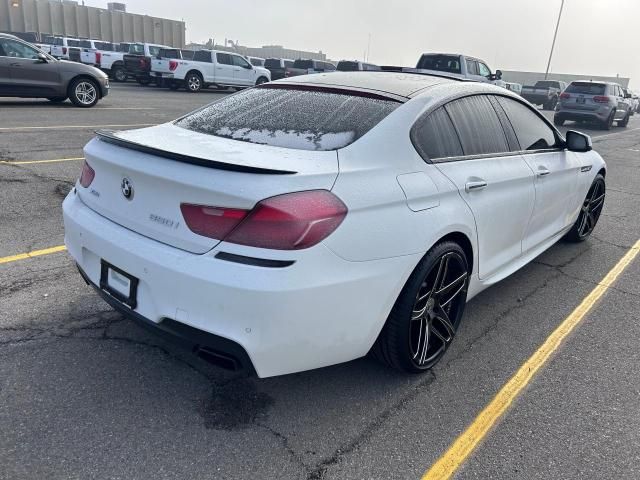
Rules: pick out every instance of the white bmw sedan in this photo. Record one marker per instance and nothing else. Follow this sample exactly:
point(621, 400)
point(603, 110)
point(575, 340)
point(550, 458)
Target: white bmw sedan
point(310, 221)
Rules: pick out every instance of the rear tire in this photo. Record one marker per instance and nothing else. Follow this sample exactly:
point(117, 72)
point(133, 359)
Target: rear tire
point(589, 212)
point(194, 82)
point(608, 123)
point(57, 99)
point(84, 92)
point(427, 313)
point(558, 122)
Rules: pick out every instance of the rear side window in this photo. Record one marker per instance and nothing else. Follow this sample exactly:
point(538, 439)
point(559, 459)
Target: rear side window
point(531, 131)
point(169, 53)
point(348, 66)
point(441, 63)
point(291, 118)
point(187, 54)
point(84, 44)
point(477, 124)
point(303, 64)
point(436, 138)
point(202, 56)
point(74, 43)
point(586, 88)
point(272, 63)
point(288, 63)
point(136, 49)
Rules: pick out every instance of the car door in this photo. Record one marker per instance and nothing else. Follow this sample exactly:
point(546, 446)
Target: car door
point(224, 68)
point(204, 58)
point(496, 183)
point(556, 172)
point(243, 72)
point(5, 77)
point(473, 70)
point(485, 72)
point(28, 74)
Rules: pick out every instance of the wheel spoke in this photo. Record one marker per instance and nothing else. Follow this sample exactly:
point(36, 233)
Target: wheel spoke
point(443, 319)
point(597, 203)
point(583, 223)
point(457, 285)
point(423, 342)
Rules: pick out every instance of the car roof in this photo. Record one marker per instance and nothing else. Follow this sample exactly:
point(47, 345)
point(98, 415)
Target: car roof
point(399, 84)
point(8, 35)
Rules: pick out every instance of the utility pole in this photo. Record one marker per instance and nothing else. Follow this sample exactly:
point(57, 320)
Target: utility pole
point(553, 45)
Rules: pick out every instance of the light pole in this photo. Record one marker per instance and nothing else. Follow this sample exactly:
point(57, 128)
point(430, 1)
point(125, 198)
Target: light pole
point(555, 35)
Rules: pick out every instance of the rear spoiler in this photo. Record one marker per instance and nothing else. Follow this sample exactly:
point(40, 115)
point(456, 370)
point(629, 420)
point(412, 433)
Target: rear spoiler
point(110, 136)
point(423, 71)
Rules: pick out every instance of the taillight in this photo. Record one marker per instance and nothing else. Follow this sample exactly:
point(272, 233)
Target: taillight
point(292, 221)
point(601, 99)
point(172, 65)
point(565, 95)
point(87, 175)
point(98, 58)
point(64, 50)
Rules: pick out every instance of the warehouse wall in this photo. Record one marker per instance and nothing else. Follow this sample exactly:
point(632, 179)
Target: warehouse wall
point(73, 20)
point(530, 78)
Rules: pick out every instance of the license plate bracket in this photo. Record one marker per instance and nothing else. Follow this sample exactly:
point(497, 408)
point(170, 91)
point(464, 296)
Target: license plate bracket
point(119, 284)
point(580, 100)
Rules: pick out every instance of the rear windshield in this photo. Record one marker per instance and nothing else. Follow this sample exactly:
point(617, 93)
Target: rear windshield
point(136, 49)
point(440, 63)
point(303, 64)
point(586, 88)
point(85, 44)
point(547, 84)
point(272, 63)
point(291, 118)
point(348, 66)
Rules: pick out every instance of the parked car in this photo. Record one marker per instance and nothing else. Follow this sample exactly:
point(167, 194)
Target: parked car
point(600, 102)
point(91, 51)
point(633, 101)
point(237, 228)
point(66, 48)
point(314, 66)
point(45, 43)
point(282, 68)
point(210, 67)
point(163, 66)
point(256, 61)
point(544, 92)
point(28, 72)
point(355, 66)
point(138, 61)
point(462, 66)
point(112, 63)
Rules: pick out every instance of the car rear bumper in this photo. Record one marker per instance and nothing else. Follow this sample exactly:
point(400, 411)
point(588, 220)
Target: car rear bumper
point(586, 115)
point(536, 99)
point(318, 311)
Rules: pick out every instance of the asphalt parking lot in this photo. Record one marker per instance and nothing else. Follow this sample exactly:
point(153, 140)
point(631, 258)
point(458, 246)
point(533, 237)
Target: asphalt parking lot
point(85, 393)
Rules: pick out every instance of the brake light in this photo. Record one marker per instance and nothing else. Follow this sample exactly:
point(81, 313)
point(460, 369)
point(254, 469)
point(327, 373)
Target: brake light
point(87, 175)
point(292, 221)
point(64, 50)
point(601, 99)
point(172, 65)
point(565, 95)
point(98, 58)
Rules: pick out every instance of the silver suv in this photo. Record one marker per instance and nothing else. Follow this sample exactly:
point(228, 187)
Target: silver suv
point(600, 102)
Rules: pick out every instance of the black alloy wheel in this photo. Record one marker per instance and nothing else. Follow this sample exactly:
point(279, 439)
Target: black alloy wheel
point(589, 212)
point(426, 316)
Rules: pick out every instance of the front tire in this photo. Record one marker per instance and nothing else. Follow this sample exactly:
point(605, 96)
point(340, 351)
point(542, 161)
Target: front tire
point(426, 315)
point(589, 212)
point(83, 93)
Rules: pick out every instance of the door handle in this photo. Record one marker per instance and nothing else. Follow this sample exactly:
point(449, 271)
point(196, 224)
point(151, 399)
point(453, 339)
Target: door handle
point(475, 185)
point(543, 171)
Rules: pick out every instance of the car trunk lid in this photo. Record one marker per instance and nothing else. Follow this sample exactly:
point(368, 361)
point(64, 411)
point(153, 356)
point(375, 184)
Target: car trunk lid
point(166, 165)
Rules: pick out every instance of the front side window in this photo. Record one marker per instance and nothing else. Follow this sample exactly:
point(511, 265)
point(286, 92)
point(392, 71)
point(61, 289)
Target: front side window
point(13, 49)
point(435, 137)
point(478, 126)
point(484, 70)
point(153, 51)
point(224, 59)
point(238, 61)
point(291, 118)
point(532, 132)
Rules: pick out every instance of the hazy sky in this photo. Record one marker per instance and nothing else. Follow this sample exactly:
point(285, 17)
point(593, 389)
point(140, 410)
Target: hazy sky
point(596, 36)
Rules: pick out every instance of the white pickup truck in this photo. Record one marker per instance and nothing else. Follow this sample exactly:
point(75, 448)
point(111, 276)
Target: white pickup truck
point(91, 51)
point(112, 63)
point(208, 67)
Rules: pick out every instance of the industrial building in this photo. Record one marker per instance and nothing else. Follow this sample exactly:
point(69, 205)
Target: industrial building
point(68, 18)
point(530, 78)
point(266, 51)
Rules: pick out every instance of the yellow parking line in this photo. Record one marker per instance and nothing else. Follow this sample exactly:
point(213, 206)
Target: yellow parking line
point(28, 162)
point(467, 442)
point(64, 127)
point(35, 253)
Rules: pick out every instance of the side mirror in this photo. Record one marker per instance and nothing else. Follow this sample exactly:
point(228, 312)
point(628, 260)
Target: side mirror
point(42, 58)
point(498, 74)
point(627, 95)
point(578, 142)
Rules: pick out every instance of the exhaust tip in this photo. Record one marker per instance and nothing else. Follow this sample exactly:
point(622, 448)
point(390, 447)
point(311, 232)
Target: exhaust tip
point(220, 359)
